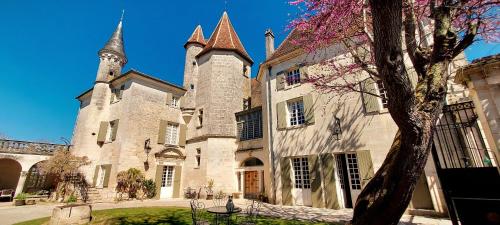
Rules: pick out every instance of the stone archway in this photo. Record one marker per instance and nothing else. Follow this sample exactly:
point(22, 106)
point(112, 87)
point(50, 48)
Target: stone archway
point(10, 173)
point(36, 181)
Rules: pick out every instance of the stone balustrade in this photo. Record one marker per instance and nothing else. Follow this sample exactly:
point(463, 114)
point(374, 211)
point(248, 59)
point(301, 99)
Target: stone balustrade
point(26, 147)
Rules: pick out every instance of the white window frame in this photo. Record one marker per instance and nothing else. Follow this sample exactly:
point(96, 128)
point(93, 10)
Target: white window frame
point(175, 102)
point(295, 111)
point(382, 92)
point(172, 134)
point(354, 173)
point(301, 177)
point(292, 77)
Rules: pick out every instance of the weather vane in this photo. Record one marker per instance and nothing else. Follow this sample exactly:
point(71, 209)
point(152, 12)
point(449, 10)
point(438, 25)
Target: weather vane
point(225, 5)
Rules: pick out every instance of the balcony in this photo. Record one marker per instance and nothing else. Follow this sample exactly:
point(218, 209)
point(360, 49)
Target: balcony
point(26, 147)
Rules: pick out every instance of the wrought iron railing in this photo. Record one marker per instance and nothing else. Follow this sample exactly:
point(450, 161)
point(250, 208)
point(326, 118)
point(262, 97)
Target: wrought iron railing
point(458, 139)
point(27, 147)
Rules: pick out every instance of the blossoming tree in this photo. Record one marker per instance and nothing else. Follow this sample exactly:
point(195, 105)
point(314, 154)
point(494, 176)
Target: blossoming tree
point(378, 34)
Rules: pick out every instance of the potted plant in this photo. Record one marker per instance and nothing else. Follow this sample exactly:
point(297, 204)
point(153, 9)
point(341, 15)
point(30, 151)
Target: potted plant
point(20, 199)
point(209, 189)
point(263, 197)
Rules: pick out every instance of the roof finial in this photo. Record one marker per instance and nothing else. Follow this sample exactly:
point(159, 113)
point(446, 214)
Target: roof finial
point(123, 12)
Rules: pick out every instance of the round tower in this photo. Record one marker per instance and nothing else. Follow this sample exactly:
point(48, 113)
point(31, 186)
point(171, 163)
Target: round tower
point(112, 57)
point(193, 47)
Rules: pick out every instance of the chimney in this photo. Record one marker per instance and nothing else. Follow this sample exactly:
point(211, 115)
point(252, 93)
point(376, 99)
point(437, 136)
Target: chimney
point(269, 43)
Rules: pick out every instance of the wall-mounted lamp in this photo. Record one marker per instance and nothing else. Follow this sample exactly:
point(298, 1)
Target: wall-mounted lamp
point(147, 150)
point(337, 129)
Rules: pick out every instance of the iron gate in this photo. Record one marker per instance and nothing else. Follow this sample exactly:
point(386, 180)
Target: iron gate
point(466, 167)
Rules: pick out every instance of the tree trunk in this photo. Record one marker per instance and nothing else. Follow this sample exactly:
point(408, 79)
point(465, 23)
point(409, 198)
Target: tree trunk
point(415, 111)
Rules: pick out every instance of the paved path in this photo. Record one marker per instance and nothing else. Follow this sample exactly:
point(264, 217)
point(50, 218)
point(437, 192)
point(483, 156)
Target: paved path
point(10, 214)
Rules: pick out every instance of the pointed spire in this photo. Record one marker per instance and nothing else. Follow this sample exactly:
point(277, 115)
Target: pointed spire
point(224, 37)
point(197, 37)
point(115, 43)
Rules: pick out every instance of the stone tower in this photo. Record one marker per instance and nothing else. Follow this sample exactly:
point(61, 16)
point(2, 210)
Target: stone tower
point(112, 58)
point(223, 67)
point(193, 47)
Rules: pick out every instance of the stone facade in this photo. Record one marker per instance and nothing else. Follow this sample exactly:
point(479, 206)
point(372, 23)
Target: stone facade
point(482, 79)
point(347, 135)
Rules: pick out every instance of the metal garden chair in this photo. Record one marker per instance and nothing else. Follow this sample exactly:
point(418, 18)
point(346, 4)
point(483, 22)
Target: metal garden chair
point(197, 209)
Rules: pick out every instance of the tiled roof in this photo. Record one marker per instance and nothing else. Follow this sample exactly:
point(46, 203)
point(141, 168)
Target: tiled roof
point(286, 46)
point(196, 37)
point(115, 43)
point(224, 37)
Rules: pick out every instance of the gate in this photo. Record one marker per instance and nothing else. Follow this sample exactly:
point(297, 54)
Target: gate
point(466, 167)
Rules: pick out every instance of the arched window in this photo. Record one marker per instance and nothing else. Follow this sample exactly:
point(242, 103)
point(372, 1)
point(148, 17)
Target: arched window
point(252, 161)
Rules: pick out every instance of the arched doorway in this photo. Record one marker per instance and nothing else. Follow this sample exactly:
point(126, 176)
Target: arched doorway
point(10, 171)
point(37, 182)
point(251, 177)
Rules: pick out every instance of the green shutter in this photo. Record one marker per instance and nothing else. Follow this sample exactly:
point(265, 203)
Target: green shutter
point(365, 166)
point(286, 182)
point(169, 98)
point(370, 102)
point(177, 182)
point(159, 173)
point(308, 108)
point(96, 173)
point(115, 129)
point(161, 132)
point(103, 128)
point(107, 170)
point(182, 135)
point(315, 179)
point(327, 162)
point(281, 114)
point(280, 81)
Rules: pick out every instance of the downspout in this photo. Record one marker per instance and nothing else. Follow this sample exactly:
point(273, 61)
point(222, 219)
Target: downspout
point(270, 131)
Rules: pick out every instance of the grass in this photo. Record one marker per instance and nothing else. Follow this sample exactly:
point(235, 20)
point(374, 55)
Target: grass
point(156, 215)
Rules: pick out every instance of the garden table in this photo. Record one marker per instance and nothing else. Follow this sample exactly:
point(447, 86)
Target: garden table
point(221, 211)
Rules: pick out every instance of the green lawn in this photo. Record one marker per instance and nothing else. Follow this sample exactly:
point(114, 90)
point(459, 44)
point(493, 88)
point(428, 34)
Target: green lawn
point(155, 215)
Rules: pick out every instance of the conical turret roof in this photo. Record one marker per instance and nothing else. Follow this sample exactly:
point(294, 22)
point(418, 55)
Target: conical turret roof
point(224, 37)
point(115, 43)
point(197, 37)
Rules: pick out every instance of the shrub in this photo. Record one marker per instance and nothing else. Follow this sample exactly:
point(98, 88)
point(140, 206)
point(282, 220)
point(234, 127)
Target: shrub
point(149, 188)
point(21, 196)
point(130, 182)
point(71, 199)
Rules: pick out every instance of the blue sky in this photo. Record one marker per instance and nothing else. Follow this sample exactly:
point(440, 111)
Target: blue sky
point(48, 50)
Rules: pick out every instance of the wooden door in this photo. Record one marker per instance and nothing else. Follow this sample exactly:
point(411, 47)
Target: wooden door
point(251, 184)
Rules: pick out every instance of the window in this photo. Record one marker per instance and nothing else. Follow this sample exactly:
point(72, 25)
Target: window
point(293, 77)
point(352, 164)
point(383, 93)
point(166, 178)
point(301, 173)
point(191, 86)
point(250, 125)
point(198, 157)
point(340, 171)
point(296, 112)
point(175, 102)
point(171, 136)
point(200, 118)
point(116, 93)
point(111, 131)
